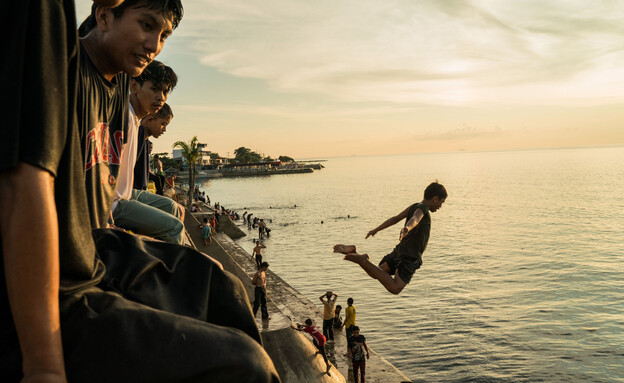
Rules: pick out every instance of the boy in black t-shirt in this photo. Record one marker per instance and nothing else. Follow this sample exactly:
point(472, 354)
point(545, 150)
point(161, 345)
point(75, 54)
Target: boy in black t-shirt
point(112, 330)
point(356, 345)
point(396, 269)
point(38, 183)
point(155, 274)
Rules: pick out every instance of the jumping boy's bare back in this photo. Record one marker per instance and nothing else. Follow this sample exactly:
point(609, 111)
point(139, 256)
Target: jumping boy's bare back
point(396, 269)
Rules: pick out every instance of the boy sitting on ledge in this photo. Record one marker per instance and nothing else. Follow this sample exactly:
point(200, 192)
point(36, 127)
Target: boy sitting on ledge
point(396, 269)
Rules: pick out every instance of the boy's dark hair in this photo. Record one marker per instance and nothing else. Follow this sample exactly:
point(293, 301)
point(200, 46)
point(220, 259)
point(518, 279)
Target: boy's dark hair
point(264, 264)
point(350, 301)
point(308, 322)
point(435, 190)
point(338, 307)
point(205, 220)
point(171, 9)
point(164, 112)
point(355, 328)
point(161, 75)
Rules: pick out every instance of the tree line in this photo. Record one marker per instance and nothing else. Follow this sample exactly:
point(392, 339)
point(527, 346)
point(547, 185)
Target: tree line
point(242, 155)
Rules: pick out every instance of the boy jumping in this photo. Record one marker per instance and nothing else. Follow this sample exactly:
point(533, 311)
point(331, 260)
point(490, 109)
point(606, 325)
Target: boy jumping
point(406, 257)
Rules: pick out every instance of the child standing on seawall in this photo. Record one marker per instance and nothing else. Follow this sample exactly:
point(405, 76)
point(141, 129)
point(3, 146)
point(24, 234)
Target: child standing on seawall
point(257, 252)
point(329, 300)
point(206, 232)
point(356, 347)
point(317, 338)
point(337, 318)
point(396, 269)
point(349, 321)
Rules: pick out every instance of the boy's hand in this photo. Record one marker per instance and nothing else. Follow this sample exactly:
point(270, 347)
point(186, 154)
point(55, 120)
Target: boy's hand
point(403, 233)
point(371, 233)
point(295, 326)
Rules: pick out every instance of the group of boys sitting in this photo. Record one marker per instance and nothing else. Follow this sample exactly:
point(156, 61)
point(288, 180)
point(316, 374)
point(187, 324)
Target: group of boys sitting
point(84, 302)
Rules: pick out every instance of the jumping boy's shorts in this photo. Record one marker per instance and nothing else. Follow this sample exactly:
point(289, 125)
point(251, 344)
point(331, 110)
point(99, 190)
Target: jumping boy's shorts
point(406, 263)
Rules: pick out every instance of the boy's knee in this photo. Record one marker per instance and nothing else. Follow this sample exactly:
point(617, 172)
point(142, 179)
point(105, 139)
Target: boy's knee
point(177, 210)
point(178, 225)
point(174, 232)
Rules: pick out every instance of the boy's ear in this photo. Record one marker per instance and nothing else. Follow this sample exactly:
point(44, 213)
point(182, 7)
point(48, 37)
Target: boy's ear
point(134, 86)
point(103, 16)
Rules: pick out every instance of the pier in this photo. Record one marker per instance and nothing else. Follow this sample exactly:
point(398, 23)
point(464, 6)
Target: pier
point(252, 170)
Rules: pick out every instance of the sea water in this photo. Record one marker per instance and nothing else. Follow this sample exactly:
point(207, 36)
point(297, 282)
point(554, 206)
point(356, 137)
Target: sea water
point(522, 278)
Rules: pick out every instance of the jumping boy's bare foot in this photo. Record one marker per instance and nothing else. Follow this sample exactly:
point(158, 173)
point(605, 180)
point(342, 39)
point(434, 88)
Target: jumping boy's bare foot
point(344, 249)
point(356, 258)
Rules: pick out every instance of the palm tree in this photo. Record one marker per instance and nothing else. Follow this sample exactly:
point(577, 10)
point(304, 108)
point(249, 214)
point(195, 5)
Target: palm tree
point(191, 154)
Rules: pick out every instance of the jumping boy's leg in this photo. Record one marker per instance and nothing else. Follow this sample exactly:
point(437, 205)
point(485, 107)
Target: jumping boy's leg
point(392, 284)
point(344, 249)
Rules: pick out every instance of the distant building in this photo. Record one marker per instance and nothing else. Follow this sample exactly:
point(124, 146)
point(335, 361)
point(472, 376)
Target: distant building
point(206, 158)
point(177, 155)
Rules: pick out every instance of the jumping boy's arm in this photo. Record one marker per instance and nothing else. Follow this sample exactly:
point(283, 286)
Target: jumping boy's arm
point(412, 223)
point(321, 298)
point(32, 269)
point(389, 222)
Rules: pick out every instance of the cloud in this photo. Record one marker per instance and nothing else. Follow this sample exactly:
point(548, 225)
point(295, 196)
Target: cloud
point(440, 52)
point(301, 113)
point(463, 133)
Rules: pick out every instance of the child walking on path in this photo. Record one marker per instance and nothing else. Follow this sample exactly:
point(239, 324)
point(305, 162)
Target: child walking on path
point(357, 346)
point(260, 281)
point(206, 232)
point(396, 269)
point(317, 338)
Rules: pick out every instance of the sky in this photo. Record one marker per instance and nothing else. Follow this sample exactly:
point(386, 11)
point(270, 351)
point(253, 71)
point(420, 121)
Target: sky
point(323, 78)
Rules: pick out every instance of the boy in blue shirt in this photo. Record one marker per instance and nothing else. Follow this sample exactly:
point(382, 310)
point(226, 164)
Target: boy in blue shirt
point(206, 232)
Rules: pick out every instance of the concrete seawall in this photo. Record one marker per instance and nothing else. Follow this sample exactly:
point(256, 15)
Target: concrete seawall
point(293, 353)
